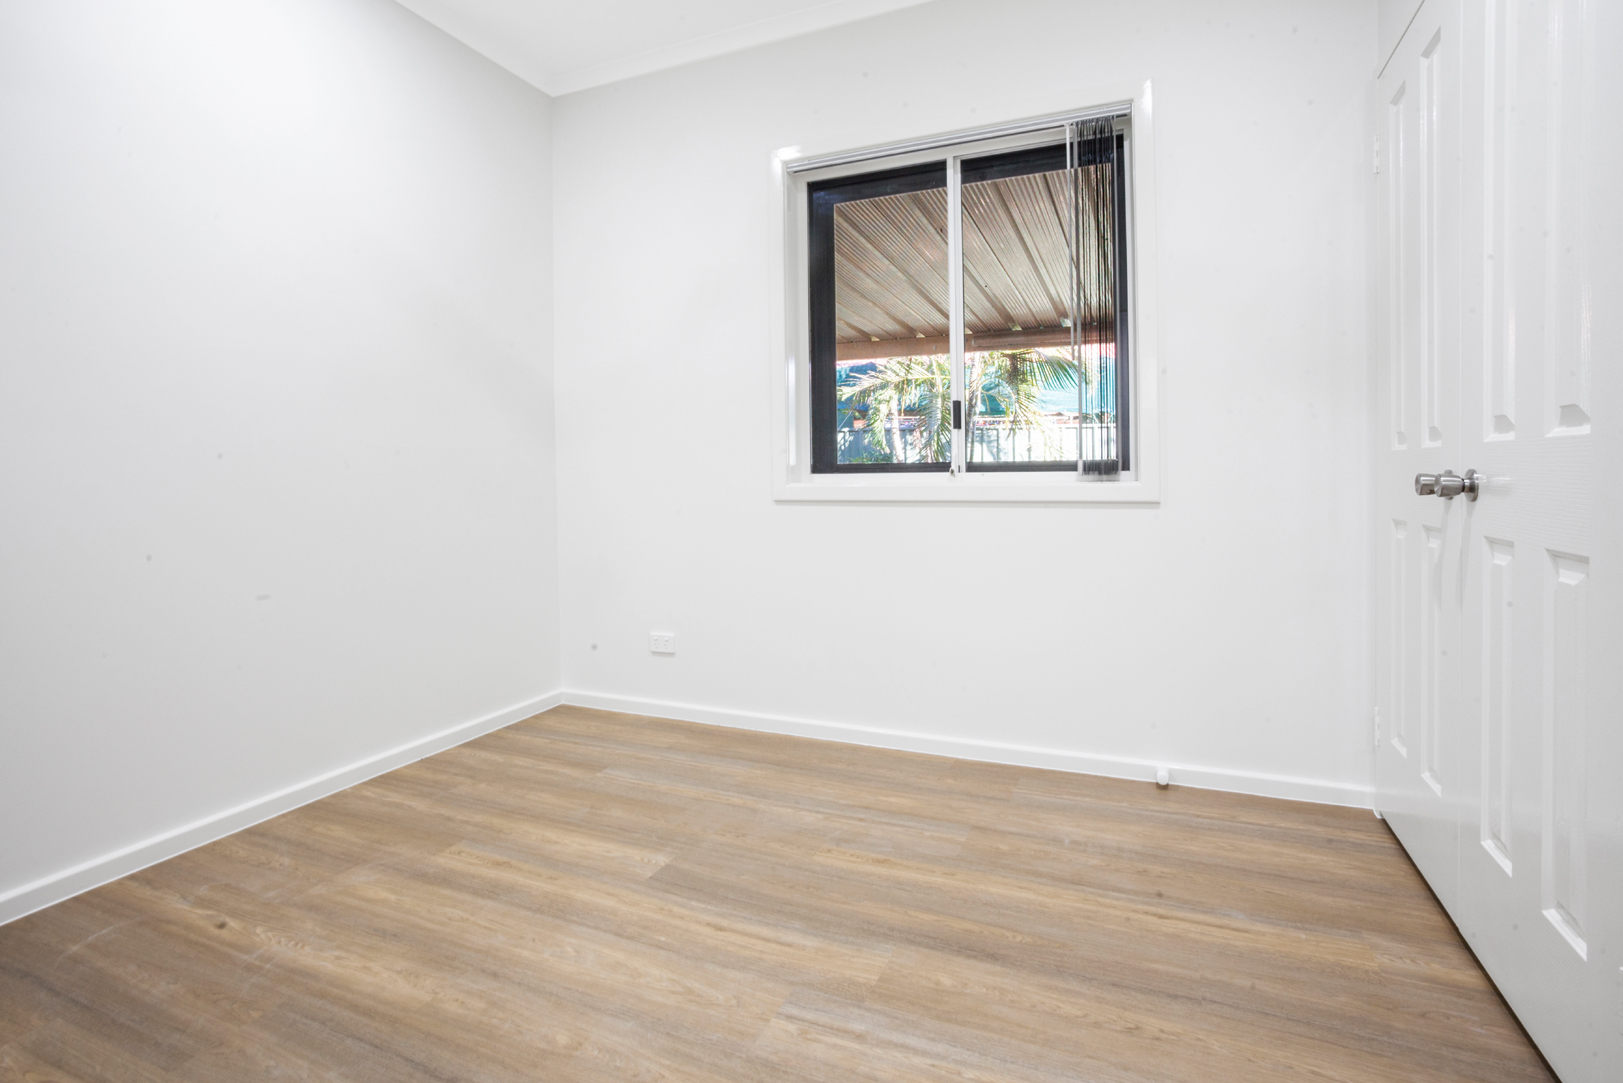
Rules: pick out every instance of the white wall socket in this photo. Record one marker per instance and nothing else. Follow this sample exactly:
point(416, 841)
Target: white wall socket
point(662, 642)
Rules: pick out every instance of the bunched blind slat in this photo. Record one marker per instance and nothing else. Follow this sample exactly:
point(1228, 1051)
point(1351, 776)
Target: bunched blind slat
point(1096, 318)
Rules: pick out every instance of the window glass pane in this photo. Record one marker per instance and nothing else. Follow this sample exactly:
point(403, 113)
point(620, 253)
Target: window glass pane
point(880, 334)
point(1022, 402)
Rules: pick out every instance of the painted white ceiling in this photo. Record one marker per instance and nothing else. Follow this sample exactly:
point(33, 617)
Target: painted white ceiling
point(566, 45)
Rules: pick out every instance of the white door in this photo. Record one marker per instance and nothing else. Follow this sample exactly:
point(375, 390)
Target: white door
point(1418, 107)
point(1499, 643)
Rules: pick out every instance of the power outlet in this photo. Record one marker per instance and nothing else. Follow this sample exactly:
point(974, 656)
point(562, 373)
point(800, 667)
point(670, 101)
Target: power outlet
point(662, 642)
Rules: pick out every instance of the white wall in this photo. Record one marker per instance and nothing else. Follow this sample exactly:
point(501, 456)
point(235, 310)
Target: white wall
point(1224, 632)
point(276, 450)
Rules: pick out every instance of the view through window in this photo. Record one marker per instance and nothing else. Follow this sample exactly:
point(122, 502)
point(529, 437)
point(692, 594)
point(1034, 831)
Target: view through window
point(1038, 383)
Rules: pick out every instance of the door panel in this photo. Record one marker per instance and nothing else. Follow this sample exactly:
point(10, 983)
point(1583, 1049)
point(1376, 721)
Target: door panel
point(1496, 794)
point(1564, 897)
point(1498, 628)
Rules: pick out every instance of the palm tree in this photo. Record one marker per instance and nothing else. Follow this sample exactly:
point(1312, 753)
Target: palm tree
point(1010, 384)
point(1000, 383)
point(898, 387)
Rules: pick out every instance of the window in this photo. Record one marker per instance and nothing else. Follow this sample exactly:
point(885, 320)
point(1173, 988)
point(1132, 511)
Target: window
point(1032, 282)
point(970, 317)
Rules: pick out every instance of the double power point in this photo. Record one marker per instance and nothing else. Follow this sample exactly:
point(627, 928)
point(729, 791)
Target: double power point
point(662, 642)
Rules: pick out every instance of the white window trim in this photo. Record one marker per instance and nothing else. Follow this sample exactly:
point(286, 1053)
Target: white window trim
point(792, 479)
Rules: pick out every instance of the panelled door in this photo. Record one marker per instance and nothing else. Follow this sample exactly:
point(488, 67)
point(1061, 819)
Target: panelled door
point(1499, 763)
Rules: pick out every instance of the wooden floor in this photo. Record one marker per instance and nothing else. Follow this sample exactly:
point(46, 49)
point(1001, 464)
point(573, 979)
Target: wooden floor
point(590, 896)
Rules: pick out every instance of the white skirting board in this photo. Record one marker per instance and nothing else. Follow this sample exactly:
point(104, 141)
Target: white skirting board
point(100, 870)
point(1206, 778)
point(69, 882)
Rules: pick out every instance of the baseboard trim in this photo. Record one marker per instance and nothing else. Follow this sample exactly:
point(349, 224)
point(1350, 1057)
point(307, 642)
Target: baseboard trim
point(58, 886)
point(62, 885)
point(1206, 778)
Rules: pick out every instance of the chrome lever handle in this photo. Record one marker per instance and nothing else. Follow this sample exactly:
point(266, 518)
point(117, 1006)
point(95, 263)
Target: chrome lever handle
point(1448, 485)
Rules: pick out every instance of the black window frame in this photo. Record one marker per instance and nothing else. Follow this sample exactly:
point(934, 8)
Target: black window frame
point(824, 195)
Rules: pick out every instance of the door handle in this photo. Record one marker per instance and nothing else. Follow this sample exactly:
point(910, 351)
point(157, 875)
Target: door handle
point(1448, 485)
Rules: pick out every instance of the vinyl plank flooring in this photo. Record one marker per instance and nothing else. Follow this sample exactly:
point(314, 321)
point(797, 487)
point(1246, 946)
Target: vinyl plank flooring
point(586, 896)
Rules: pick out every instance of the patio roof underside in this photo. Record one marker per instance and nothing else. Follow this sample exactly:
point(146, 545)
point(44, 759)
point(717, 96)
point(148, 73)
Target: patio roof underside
point(891, 270)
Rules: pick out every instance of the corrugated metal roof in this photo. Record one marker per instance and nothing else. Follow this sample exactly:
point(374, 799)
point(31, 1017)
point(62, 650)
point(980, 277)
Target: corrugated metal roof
point(891, 268)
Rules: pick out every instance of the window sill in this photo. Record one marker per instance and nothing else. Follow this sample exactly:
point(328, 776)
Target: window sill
point(1055, 488)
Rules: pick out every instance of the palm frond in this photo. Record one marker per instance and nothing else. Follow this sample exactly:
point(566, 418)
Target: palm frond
point(899, 387)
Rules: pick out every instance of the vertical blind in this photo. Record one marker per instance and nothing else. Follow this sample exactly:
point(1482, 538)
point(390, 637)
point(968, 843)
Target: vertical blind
point(1096, 324)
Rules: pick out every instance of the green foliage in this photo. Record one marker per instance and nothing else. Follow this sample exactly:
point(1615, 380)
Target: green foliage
point(918, 387)
point(998, 383)
point(870, 455)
